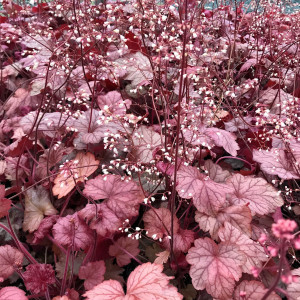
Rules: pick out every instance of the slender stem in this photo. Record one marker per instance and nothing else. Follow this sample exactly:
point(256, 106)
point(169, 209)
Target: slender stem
point(16, 240)
point(64, 280)
point(274, 285)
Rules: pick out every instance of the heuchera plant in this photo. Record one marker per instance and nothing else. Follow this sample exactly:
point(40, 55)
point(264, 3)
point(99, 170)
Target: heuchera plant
point(149, 150)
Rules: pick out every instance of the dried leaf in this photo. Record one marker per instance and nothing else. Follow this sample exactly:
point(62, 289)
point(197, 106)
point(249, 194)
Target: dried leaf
point(37, 205)
point(215, 172)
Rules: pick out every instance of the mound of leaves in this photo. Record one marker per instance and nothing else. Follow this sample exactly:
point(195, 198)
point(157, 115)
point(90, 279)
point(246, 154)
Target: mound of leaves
point(149, 151)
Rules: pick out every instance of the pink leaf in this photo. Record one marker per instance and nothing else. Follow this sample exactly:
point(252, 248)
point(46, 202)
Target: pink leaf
point(76, 170)
point(223, 138)
point(44, 228)
point(262, 197)
point(146, 282)
point(157, 223)
point(215, 267)
point(248, 64)
point(10, 259)
point(122, 247)
point(5, 205)
point(37, 277)
point(239, 216)
point(293, 289)
point(2, 191)
point(107, 290)
point(92, 273)
point(105, 222)
point(122, 195)
point(182, 241)
point(92, 128)
point(252, 290)
point(208, 196)
point(145, 141)
point(138, 68)
point(48, 123)
point(252, 250)
point(12, 293)
point(275, 162)
point(20, 98)
point(113, 104)
point(72, 231)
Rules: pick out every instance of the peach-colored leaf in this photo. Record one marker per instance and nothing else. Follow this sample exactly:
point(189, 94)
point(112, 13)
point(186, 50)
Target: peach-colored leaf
point(92, 273)
point(10, 258)
point(107, 290)
point(261, 196)
point(252, 290)
point(122, 195)
point(76, 170)
point(37, 205)
point(239, 216)
point(208, 196)
point(146, 282)
point(72, 231)
point(105, 222)
point(253, 251)
point(215, 267)
point(157, 222)
point(122, 248)
point(162, 257)
point(12, 293)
